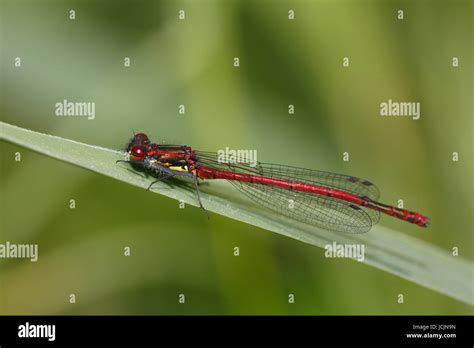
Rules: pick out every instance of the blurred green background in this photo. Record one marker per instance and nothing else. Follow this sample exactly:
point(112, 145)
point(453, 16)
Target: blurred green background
point(190, 62)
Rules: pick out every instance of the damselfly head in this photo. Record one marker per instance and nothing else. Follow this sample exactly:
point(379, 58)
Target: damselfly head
point(139, 139)
point(137, 153)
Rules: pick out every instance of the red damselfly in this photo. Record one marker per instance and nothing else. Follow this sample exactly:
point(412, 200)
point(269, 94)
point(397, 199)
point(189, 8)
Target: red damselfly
point(335, 202)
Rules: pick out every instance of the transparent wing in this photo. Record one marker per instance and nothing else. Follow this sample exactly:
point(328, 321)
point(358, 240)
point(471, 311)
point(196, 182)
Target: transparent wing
point(317, 210)
point(351, 184)
point(326, 212)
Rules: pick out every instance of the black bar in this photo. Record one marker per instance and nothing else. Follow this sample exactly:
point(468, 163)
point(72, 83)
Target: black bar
point(239, 329)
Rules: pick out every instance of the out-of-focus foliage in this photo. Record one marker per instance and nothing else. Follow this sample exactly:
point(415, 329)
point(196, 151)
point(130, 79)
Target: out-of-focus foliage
point(190, 62)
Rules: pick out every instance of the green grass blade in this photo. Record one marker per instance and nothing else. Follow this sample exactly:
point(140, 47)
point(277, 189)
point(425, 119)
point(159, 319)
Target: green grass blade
point(386, 249)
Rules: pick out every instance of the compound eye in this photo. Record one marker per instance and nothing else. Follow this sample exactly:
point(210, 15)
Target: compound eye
point(137, 153)
point(141, 138)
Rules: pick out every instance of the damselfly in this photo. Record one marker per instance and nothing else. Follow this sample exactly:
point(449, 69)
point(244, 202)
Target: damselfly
point(332, 201)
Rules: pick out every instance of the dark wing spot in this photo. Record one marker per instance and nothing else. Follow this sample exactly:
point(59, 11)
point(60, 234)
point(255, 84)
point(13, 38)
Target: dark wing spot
point(352, 179)
point(367, 183)
point(356, 207)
